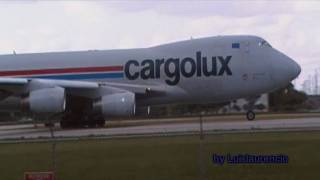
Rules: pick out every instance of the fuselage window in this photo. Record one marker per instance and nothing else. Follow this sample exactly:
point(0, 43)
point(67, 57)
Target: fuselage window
point(264, 44)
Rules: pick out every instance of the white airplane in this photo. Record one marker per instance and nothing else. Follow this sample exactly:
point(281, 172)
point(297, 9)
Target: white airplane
point(87, 87)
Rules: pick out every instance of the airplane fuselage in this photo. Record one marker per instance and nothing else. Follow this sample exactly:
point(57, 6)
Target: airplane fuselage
point(194, 71)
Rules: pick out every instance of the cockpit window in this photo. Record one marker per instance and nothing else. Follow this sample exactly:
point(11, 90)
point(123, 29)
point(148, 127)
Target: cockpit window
point(264, 44)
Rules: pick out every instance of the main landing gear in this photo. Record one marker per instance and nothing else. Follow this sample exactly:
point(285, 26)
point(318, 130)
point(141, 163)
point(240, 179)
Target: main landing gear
point(250, 115)
point(77, 114)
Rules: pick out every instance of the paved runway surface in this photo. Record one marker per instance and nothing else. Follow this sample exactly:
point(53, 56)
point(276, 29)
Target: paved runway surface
point(29, 132)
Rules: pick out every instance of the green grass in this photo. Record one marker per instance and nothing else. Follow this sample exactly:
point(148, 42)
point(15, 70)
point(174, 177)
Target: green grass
point(165, 157)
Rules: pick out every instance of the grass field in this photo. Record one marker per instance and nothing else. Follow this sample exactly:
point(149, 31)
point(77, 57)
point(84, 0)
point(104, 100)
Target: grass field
point(166, 157)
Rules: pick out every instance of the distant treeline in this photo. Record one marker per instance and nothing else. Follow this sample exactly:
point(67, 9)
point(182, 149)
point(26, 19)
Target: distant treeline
point(287, 99)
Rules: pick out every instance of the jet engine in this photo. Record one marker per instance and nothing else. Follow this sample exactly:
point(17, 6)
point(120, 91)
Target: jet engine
point(47, 100)
point(118, 104)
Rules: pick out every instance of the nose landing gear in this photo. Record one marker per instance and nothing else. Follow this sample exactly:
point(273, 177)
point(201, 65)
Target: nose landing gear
point(250, 115)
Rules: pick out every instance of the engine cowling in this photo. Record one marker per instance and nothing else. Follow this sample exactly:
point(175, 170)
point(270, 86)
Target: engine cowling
point(47, 100)
point(116, 105)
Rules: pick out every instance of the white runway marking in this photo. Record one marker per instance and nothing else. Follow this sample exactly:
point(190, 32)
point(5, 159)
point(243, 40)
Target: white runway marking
point(28, 132)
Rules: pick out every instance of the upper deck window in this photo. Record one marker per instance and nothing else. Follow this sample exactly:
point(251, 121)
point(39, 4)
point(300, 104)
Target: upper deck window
point(235, 45)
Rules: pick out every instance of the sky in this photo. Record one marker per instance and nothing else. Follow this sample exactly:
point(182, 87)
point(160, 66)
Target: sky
point(40, 26)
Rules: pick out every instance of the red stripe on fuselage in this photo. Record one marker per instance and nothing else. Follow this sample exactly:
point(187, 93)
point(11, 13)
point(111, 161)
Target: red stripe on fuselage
point(61, 71)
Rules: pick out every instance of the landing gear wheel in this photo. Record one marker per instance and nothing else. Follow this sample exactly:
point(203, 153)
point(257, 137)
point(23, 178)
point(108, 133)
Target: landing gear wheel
point(68, 122)
point(64, 124)
point(49, 124)
point(90, 124)
point(101, 123)
point(250, 115)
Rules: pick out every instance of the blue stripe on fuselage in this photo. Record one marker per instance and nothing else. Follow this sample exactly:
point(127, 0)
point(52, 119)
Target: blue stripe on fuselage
point(82, 76)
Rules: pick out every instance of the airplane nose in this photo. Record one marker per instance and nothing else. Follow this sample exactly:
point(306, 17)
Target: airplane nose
point(295, 69)
point(285, 70)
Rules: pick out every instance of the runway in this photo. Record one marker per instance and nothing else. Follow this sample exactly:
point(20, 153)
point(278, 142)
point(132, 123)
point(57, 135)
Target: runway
point(24, 132)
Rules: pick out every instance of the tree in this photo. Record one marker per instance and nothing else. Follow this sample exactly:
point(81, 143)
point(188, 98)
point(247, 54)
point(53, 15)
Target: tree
point(286, 99)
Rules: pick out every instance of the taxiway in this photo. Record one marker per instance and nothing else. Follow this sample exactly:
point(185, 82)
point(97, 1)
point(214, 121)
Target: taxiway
point(24, 132)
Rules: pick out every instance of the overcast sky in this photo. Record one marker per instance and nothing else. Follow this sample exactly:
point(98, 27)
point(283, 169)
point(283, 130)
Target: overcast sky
point(38, 26)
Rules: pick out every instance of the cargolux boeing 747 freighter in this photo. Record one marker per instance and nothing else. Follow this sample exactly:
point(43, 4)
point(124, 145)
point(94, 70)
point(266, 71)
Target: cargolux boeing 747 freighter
point(87, 87)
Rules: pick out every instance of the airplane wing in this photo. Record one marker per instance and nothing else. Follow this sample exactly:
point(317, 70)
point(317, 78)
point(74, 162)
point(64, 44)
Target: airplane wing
point(18, 86)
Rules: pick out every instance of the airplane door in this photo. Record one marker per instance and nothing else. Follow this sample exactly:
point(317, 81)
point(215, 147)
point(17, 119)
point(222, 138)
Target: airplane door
point(254, 71)
point(246, 50)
